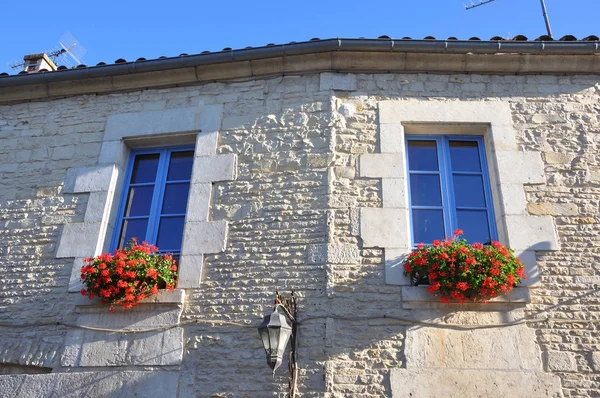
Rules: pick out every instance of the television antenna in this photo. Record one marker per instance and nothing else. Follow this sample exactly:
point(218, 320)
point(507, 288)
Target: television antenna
point(473, 5)
point(70, 52)
point(542, 2)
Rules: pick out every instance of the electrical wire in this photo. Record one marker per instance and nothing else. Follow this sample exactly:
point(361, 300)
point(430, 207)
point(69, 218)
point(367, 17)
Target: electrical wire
point(401, 320)
point(300, 322)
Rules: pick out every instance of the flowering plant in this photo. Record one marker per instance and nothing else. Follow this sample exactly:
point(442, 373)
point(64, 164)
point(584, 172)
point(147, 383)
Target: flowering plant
point(128, 275)
point(460, 272)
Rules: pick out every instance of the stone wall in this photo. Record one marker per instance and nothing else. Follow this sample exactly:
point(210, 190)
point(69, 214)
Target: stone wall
point(293, 224)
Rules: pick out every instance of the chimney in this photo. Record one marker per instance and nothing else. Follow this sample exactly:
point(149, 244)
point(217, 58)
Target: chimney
point(33, 63)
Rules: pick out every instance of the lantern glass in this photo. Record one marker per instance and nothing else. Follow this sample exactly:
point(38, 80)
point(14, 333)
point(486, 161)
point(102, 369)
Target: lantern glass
point(275, 333)
point(264, 335)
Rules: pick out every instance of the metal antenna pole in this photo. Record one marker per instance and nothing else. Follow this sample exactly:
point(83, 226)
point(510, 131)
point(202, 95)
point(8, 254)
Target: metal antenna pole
point(546, 18)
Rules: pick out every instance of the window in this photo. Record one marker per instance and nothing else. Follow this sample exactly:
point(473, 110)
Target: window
point(449, 188)
point(154, 199)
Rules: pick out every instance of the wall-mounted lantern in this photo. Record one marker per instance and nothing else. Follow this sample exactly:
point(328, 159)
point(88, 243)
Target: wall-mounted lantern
point(275, 332)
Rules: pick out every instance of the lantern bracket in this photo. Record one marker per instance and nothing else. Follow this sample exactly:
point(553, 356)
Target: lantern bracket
point(289, 306)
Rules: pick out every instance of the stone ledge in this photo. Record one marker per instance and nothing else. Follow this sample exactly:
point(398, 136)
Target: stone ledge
point(417, 297)
point(176, 296)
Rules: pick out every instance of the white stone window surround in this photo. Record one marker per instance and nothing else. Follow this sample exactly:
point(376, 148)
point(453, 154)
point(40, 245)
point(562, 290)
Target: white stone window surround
point(388, 227)
point(199, 125)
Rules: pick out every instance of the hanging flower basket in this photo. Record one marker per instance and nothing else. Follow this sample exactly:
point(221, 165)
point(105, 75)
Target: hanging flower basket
point(129, 275)
point(461, 272)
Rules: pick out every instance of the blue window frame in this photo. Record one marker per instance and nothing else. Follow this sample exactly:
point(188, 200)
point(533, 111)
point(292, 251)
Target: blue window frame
point(154, 199)
point(449, 188)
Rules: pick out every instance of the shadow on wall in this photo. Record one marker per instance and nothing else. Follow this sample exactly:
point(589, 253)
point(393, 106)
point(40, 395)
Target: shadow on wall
point(125, 384)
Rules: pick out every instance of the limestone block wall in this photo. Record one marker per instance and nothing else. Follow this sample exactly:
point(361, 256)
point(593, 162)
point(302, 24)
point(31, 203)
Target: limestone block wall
point(293, 221)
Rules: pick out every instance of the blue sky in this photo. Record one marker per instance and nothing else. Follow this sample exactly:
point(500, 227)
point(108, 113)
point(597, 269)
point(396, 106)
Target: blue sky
point(129, 29)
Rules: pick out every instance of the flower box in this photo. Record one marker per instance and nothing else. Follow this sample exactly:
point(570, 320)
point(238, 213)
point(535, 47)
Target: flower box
point(129, 275)
point(461, 272)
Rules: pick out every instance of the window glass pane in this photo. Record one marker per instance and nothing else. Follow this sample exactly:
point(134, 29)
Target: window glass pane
point(428, 225)
point(464, 156)
point(133, 229)
point(475, 225)
point(180, 166)
point(425, 190)
point(170, 233)
point(468, 191)
point(176, 196)
point(144, 168)
point(139, 201)
point(422, 155)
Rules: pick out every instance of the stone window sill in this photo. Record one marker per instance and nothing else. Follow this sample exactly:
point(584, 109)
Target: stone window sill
point(416, 297)
point(176, 296)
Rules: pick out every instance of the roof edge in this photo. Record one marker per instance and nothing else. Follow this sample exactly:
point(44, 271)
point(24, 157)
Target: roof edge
point(312, 47)
point(138, 76)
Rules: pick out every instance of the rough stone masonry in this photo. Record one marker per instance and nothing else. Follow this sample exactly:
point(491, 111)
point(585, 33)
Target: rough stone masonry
point(293, 223)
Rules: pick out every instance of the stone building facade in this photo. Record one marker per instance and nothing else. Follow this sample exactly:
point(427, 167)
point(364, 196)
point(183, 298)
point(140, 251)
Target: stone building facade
point(299, 183)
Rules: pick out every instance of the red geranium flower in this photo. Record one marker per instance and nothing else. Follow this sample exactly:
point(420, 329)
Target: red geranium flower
point(459, 271)
point(127, 276)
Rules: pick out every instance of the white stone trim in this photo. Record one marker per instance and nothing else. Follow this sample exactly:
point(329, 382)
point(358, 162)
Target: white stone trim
point(214, 168)
point(152, 122)
point(381, 165)
point(167, 127)
point(163, 297)
point(384, 227)
point(510, 169)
